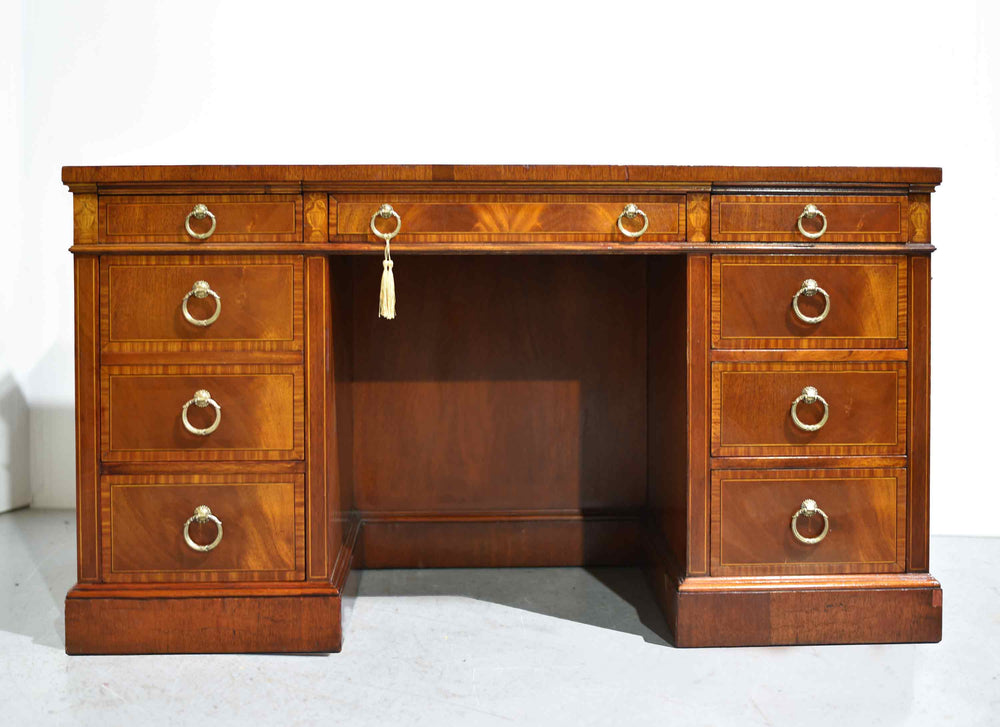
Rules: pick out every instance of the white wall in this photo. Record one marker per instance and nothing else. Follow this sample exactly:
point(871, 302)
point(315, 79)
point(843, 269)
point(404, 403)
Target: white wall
point(838, 83)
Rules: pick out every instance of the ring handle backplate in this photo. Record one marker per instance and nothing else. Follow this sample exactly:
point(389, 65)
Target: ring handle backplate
point(199, 212)
point(201, 399)
point(202, 514)
point(809, 508)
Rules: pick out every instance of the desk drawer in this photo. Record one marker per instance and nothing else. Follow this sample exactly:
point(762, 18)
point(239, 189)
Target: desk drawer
point(255, 413)
point(177, 218)
point(752, 513)
point(752, 409)
point(508, 218)
point(829, 218)
point(252, 303)
point(262, 527)
point(857, 301)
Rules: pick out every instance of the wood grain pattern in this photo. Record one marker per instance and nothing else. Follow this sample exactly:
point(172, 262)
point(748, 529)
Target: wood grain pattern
point(507, 175)
point(534, 409)
point(340, 431)
point(492, 541)
point(239, 218)
point(262, 413)
point(698, 404)
point(322, 484)
point(919, 430)
point(201, 625)
point(752, 301)
point(141, 316)
point(751, 409)
point(510, 219)
point(751, 521)
point(84, 219)
point(774, 218)
point(88, 402)
point(667, 412)
point(143, 519)
point(530, 373)
point(845, 615)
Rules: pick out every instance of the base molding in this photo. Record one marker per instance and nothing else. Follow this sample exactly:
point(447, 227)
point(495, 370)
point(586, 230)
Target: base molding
point(799, 610)
point(496, 540)
point(202, 624)
point(200, 618)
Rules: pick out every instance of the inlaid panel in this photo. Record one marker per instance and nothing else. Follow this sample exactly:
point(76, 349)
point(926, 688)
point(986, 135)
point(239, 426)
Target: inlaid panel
point(238, 218)
point(260, 413)
point(774, 218)
point(507, 218)
point(259, 304)
point(752, 521)
point(751, 409)
point(864, 299)
point(262, 520)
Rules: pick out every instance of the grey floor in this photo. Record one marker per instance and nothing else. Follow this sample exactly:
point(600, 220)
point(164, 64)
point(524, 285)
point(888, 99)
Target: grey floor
point(473, 647)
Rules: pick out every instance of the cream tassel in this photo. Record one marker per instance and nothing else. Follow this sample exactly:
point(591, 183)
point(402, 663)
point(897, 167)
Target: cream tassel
point(387, 295)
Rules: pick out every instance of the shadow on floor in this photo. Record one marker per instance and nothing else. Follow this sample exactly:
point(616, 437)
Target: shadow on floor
point(615, 598)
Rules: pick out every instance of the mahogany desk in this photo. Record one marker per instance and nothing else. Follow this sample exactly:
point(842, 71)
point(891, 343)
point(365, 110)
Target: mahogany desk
point(721, 373)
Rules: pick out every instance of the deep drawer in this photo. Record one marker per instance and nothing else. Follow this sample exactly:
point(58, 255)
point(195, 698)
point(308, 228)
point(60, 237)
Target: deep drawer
point(857, 301)
point(262, 527)
point(508, 218)
point(255, 413)
point(206, 304)
point(831, 218)
point(753, 512)
point(752, 409)
point(177, 218)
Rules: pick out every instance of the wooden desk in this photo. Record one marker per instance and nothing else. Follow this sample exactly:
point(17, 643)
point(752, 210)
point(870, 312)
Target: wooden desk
point(737, 398)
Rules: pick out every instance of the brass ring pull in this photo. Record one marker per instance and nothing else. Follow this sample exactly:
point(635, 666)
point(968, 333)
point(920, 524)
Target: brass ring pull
point(808, 508)
point(202, 399)
point(385, 212)
point(809, 212)
point(201, 289)
point(809, 289)
point(809, 395)
point(630, 212)
point(202, 514)
point(199, 212)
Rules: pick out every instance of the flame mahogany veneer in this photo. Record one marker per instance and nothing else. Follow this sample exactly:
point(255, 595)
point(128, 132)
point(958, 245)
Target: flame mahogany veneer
point(551, 392)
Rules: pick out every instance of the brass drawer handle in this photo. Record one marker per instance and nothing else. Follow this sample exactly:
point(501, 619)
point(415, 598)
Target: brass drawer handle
point(808, 508)
point(199, 212)
point(387, 291)
point(809, 395)
point(630, 212)
point(202, 399)
point(202, 514)
point(385, 212)
point(810, 288)
point(201, 289)
point(809, 212)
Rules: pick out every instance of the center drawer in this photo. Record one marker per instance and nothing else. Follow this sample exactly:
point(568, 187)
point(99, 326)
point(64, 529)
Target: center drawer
point(770, 409)
point(201, 413)
point(252, 527)
point(509, 218)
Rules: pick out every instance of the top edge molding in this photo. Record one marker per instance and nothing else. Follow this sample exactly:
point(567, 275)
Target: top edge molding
point(78, 178)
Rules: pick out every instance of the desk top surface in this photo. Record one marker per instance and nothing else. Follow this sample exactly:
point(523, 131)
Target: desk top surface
point(527, 174)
